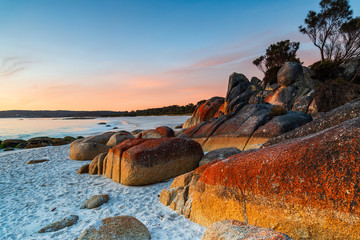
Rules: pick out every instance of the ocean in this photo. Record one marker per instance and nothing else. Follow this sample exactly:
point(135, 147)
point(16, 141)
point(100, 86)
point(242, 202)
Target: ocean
point(26, 128)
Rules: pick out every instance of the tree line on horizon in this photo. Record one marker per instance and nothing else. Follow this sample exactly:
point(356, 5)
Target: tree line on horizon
point(167, 110)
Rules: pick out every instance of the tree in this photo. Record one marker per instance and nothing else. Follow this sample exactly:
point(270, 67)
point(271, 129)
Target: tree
point(333, 30)
point(277, 54)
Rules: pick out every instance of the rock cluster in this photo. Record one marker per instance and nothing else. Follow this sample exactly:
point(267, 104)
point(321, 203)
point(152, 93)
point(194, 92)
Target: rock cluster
point(35, 142)
point(249, 127)
point(322, 122)
point(306, 188)
point(251, 113)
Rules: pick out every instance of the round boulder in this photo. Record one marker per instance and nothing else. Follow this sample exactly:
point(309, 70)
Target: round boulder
point(289, 73)
point(121, 227)
point(89, 148)
point(118, 137)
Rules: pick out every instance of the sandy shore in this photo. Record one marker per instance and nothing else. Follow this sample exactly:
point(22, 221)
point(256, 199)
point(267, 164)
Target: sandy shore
point(32, 196)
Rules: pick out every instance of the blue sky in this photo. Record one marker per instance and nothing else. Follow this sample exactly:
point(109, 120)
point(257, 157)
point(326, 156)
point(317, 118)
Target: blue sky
point(123, 55)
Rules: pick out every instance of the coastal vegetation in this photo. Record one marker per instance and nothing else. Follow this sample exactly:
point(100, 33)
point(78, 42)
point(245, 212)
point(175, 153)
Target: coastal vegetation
point(168, 110)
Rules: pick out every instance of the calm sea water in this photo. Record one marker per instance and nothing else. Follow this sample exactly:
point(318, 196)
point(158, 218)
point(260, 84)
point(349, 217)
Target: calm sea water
point(26, 128)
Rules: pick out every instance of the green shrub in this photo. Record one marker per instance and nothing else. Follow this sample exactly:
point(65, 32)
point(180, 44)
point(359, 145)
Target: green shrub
point(335, 93)
point(326, 70)
point(271, 75)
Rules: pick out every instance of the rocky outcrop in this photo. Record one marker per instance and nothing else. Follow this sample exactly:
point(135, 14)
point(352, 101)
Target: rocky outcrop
point(122, 227)
point(159, 132)
point(118, 138)
point(306, 188)
point(147, 161)
point(324, 121)
point(58, 225)
point(95, 201)
point(237, 129)
point(238, 84)
point(221, 154)
point(233, 229)
point(204, 111)
point(90, 147)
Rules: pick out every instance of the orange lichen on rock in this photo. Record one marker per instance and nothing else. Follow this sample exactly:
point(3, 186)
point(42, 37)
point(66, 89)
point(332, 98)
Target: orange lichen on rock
point(147, 161)
point(307, 188)
point(204, 111)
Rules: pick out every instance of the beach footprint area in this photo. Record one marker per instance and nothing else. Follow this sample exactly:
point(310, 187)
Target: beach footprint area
point(35, 195)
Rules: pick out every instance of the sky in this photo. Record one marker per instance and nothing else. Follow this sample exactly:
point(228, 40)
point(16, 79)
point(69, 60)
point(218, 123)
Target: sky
point(135, 54)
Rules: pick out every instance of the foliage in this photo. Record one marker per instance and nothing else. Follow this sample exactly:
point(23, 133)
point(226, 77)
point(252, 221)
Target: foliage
point(335, 93)
point(169, 110)
point(326, 70)
point(277, 54)
point(271, 75)
point(333, 30)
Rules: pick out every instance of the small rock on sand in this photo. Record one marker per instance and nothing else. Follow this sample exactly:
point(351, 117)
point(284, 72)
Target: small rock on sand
point(37, 161)
point(95, 201)
point(121, 227)
point(63, 223)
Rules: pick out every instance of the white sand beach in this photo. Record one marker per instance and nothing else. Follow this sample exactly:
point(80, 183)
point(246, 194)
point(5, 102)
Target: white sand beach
point(33, 196)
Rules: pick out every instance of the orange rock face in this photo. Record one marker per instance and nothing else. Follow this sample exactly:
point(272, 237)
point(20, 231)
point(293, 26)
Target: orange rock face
point(307, 188)
point(204, 112)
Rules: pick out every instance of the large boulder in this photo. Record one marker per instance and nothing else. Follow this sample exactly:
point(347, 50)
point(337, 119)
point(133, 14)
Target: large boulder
point(290, 73)
point(204, 111)
point(235, 130)
point(121, 227)
point(234, 229)
point(88, 148)
point(322, 122)
point(147, 161)
point(118, 137)
point(238, 84)
point(306, 188)
point(277, 126)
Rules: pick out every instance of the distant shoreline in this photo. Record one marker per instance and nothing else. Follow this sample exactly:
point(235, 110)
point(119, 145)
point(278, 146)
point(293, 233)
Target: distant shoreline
point(174, 110)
